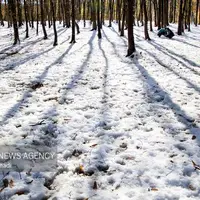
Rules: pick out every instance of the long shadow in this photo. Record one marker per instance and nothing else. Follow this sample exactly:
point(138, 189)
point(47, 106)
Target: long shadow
point(15, 108)
point(178, 112)
point(181, 115)
point(26, 59)
point(160, 62)
point(170, 51)
point(99, 158)
point(69, 86)
point(185, 59)
point(197, 88)
point(81, 69)
point(183, 41)
point(166, 100)
point(160, 48)
point(12, 65)
point(115, 48)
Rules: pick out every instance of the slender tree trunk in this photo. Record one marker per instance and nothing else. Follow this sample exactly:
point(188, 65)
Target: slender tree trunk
point(84, 7)
point(174, 5)
point(141, 12)
point(19, 9)
point(103, 12)
point(32, 12)
point(131, 44)
point(159, 13)
point(98, 19)
point(77, 27)
point(53, 9)
point(180, 20)
point(67, 14)
point(155, 13)
point(42, 19)
point(26, 18)
point(37, 20)
point(123, 17)
point(197, 8)
point(146, 33)
point(1, 16)
point(73, 40)
point(189, 14)
point(94, 21)
point(7, 13)
point(110, 13)
point(171, 12)
point(150, 15)
point(14, 20)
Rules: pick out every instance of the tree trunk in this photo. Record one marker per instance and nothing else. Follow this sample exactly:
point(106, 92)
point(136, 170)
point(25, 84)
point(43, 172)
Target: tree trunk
point(37, 20)
point(110, 13)
point(103, 12)
point(1, 16)
point(197, 8)
point(42, 19)
point(73, 21)
point(19, 9)
point(146, 33)
point(53, 8)
point(94, 22)
point(189, 14)
point(98, 19)
point(84, 7)
point(174, 5)
point(14, 20)
point(180, 20)
point(77, 27)
point(159, 13)
point(150, 15)
point(155, 13)
point(26, 18)
point(123, 17)
point(131, 44)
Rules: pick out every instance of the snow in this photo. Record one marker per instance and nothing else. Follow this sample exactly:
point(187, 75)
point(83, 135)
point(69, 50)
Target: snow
point(131, 124)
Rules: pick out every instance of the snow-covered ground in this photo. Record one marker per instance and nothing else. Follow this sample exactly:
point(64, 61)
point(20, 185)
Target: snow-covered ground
point(125, 128)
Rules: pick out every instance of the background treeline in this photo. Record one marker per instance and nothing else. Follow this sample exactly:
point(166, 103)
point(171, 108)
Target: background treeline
point(152, 13)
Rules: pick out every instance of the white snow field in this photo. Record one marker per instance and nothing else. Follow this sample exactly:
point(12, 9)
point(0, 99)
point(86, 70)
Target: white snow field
point(125, 128)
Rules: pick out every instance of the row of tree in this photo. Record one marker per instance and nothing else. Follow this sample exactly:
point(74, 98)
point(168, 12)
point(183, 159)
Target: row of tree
point(126, 13)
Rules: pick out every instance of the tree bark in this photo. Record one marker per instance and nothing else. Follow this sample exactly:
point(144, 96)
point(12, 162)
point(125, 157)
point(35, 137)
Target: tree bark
point(53, 8)
point(180, 20)
point(98, 19)
point(146, 33)
point(26, 18)
point(42, 19)
point(1, 16)
point(131, 44)
point(73, 40)
point(14, 20)
point(197, 9)
point(189, 14)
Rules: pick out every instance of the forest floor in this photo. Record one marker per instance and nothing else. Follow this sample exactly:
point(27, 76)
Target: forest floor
point(133, 122)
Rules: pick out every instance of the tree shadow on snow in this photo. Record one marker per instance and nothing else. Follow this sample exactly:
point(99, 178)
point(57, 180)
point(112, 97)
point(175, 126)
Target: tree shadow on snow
point(153, 89)
point(27, 94)
point(197, 88)
point(171, 53)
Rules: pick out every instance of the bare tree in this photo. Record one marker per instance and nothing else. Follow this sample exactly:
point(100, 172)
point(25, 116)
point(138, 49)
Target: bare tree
point(73, 40)
point(180, 20)
point(131, 43)
point(12, 6)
